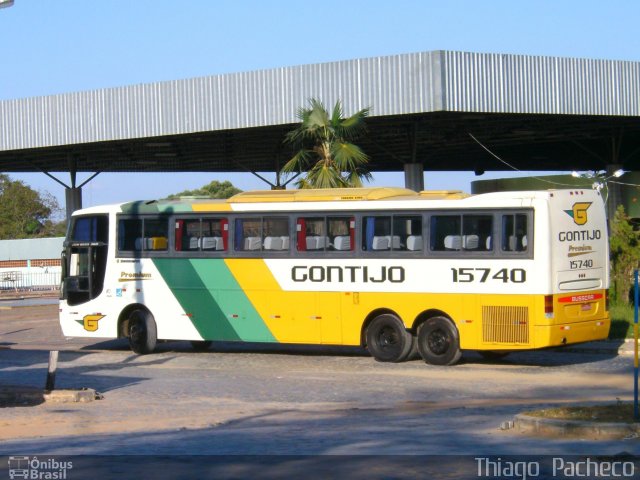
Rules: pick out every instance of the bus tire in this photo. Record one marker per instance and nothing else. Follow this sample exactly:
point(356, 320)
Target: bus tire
point(439, 341)
point(388, 340)
point(201, 345)
point(142, 332)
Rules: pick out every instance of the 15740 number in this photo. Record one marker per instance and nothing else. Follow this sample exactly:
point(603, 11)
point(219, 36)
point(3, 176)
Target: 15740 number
point(482, 275)
point(579, 264)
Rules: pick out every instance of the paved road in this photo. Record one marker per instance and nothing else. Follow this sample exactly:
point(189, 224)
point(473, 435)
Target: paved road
point(288, 400)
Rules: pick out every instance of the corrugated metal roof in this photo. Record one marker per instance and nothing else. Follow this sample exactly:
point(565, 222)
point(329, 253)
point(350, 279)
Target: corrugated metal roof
point(31, 249)
point(546, 85)
point(393, 85)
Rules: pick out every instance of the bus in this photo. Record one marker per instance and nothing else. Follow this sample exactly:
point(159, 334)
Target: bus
point(398, 272)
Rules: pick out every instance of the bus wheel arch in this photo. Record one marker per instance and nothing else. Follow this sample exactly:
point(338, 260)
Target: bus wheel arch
point(137, 324)
point(386, 337)
point(438, 338)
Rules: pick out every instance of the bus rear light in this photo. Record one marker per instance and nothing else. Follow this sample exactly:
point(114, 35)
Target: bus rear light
point(599, 324)
point(565, 327)
point(548, 306)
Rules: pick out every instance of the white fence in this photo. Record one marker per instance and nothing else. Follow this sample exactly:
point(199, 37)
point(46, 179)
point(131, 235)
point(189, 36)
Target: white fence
point(29, 280)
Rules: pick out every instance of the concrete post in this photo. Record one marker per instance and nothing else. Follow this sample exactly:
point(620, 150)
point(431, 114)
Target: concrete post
point(73, 200)
point(414, 176)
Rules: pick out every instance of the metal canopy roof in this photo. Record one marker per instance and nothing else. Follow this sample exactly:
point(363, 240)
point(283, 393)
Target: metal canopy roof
point(536, 113)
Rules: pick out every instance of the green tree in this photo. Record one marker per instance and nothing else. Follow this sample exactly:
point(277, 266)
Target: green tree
point(215, 189)
point(325, 152)
point(625, 255)
point(26, 213)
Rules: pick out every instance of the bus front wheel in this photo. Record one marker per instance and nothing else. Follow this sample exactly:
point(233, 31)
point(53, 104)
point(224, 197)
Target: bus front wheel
point(142, 332)
point(439, 342)
point(388, 340)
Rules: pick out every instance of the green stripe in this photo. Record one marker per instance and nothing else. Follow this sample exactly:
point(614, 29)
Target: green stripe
point(155, 207)
point(219, 308)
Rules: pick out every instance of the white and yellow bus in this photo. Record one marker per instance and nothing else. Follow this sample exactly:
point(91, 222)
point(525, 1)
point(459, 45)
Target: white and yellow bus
point(386, 268)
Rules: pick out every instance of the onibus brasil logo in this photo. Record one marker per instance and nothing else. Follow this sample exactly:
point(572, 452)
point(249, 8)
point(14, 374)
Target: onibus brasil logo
point(579, 212)
point(38, 469)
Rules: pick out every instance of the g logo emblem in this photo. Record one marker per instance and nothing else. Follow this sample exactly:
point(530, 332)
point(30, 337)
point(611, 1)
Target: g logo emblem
point(90, 322)
point(579, 212)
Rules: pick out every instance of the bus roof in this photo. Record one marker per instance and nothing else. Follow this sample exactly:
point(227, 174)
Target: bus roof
point(328, 197)
point(340, 194)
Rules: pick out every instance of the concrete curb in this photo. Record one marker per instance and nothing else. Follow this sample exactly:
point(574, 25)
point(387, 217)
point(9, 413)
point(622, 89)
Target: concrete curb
point(574, 428)
point(83, 395)
point(20, 396)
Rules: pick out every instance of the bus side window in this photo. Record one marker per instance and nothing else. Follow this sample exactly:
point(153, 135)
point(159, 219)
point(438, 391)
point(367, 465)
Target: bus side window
point(187, 235)
point(130, 234)
point(341, 233)
point(514, 233)
point(310, 234)
point(407, 233)
point(476, 229)
point(275, 234)
point(248, 234)
point(155, 234)
point(445, 233)
point(376, 233)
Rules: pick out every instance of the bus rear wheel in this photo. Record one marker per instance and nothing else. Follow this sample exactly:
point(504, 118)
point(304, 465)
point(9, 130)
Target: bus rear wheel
point(439, 342)
point(388, 340)
point(142, 332)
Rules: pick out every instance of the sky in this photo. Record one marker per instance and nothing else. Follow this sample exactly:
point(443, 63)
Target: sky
point(52, 47)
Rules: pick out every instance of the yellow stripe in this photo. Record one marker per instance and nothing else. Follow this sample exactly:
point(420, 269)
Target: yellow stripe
point(211, 207)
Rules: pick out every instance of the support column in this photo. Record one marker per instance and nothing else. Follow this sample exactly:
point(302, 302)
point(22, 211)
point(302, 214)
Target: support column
point(414, 176)
point(73, 200)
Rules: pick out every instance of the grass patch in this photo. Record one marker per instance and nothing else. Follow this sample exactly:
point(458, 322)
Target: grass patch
point(619, 413)
point(621, 321)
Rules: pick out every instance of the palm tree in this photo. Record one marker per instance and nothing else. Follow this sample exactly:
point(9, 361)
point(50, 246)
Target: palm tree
point(325, 152)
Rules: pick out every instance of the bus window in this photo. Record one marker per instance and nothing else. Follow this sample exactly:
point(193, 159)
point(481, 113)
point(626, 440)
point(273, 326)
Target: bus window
point(155, 234)
point(248, 234)
point(209, 234)
point(130, 234)
point(325, 233)
point(376, 233)
point(267, 233)
point(187, 235)
point(275, 234)
point(397, 233)
point(407, 233)
point(137, 234)
point(461, 232)
point(445, 233)
point(341, 233)
point(514, 233)
point(91, 229)
point(476, 232)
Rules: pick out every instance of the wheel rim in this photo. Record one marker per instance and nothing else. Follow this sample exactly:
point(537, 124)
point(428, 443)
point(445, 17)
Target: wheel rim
point(137, 332)
point(439, 342)
point(388, 339)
